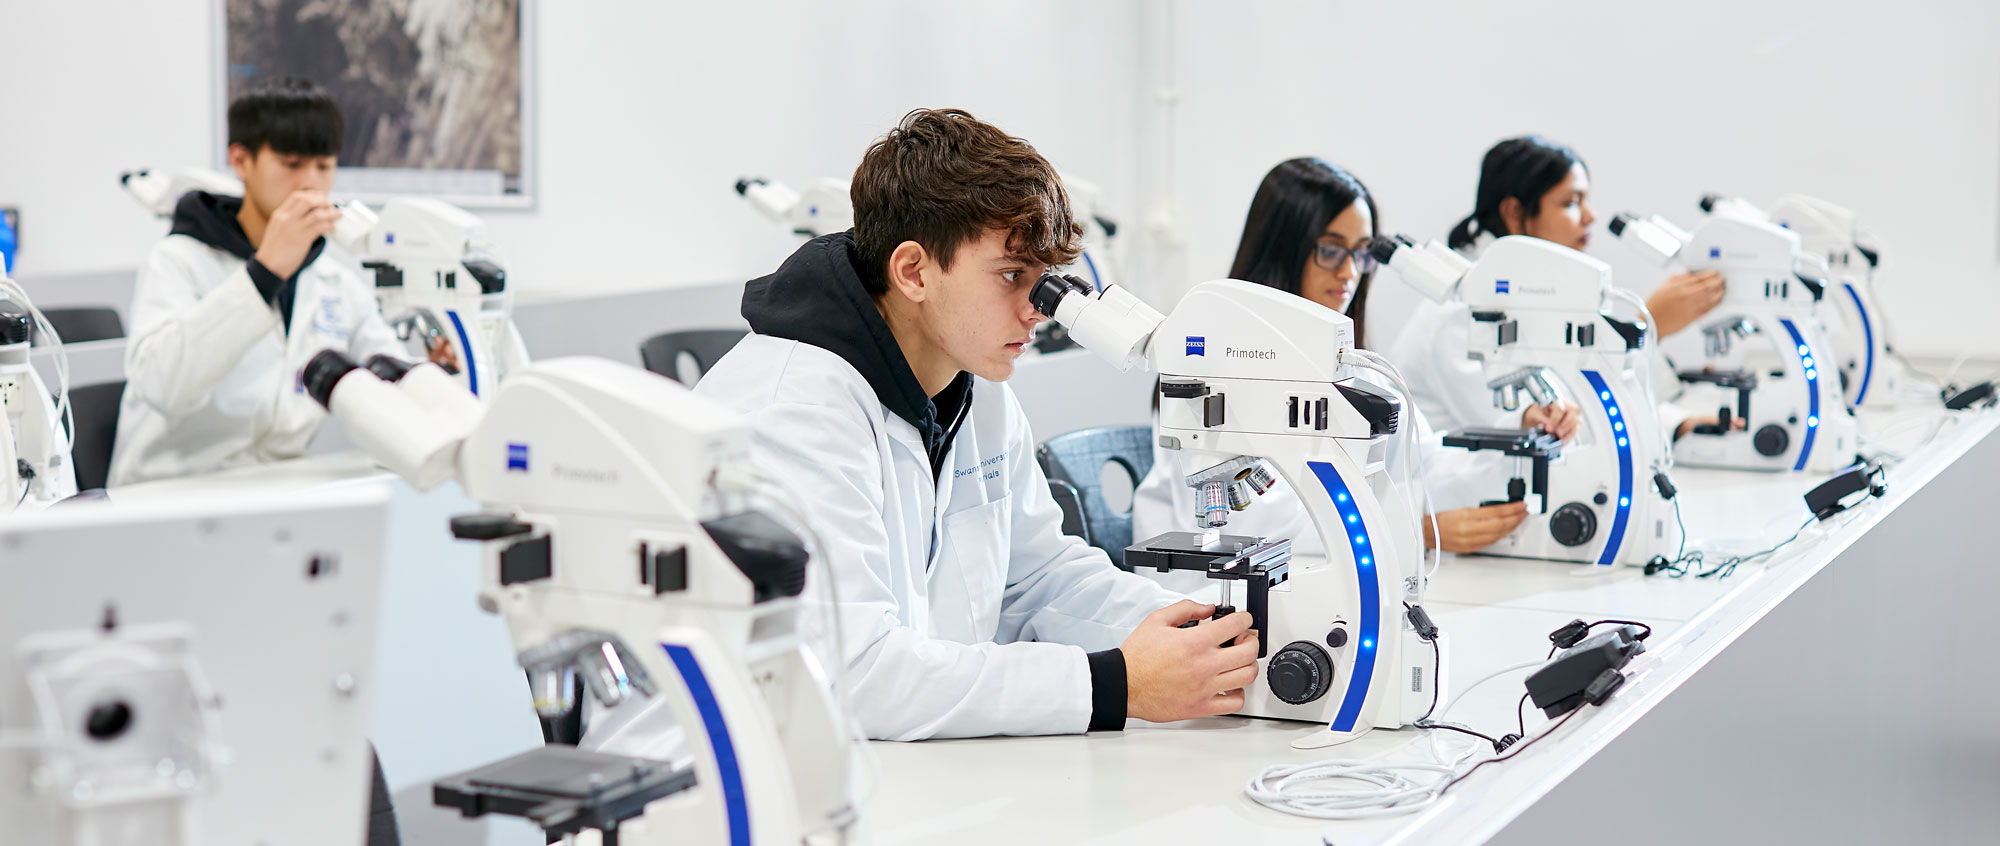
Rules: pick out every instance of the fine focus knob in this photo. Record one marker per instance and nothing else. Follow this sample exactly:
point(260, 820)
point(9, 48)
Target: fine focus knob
point(1771, 440)
point(1574, 524)
point(1299, 673)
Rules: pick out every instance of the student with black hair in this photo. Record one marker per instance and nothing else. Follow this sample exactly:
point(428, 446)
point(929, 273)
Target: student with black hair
point(1535, 187)
point(1307, 233)
point(235, 300)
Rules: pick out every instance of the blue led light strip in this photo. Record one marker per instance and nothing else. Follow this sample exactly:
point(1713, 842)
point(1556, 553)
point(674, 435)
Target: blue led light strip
point(1868, 335)
point(733, 800)
point(465, 345)
point(1371, 595)
point(1616, 538)
point(1812, 391)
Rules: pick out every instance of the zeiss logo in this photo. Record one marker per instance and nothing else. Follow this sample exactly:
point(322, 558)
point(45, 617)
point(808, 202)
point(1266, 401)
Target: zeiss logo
point(1715, 252)
point(389, 237)
point(1500, 286)
point(517, 457)
point(1197, 345)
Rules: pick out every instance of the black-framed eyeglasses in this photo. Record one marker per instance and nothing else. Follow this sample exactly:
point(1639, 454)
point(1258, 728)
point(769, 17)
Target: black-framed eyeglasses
point(1330, 256)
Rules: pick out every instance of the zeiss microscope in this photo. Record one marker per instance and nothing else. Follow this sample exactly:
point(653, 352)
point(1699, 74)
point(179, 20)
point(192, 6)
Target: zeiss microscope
point(1764, 342)
point(1870, 375)
point(1256, 384)
point(437, 280)
point(622, 546)
point(35, 469)
point(1541, 322)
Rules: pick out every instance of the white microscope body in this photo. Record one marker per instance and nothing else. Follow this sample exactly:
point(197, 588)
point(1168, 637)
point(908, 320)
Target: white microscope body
point(35, 469)
point(618, 548)
point(1870, 375)
point(1255, 379)
point(1765, 341)
point(1540, 321)
point(436, 279)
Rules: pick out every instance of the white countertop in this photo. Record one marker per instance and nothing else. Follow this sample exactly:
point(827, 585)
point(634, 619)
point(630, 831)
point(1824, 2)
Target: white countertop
point(1183, 783)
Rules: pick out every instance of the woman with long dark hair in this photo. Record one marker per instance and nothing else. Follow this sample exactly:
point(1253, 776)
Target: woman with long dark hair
point(1536, 187)
point(1307, 233)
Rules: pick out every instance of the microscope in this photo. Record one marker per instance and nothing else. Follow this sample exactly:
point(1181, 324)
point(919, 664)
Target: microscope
point(437, 281)
point(35, 469)
point(1764, 342)
point(824, 208)
point(1869, 373)
point(622, 544)
point(1541, 322)
point(1257, 384)
point(199, 672)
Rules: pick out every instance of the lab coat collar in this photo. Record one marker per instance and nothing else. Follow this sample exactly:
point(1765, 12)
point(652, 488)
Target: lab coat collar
point(816, 297)
point(211, 219)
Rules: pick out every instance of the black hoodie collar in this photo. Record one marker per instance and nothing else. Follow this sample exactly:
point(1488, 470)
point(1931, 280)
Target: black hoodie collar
point(211, 219)
point(816, 298)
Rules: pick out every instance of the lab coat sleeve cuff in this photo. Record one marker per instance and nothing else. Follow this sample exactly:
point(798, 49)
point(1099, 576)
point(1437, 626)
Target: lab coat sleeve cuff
point(266, 281)
point(1107, 690)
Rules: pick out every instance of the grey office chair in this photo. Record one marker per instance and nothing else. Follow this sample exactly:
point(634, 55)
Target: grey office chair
point(95, 408)
point(1071, 503)
point(663, 353)
point(1081, 457)
point(76, 325)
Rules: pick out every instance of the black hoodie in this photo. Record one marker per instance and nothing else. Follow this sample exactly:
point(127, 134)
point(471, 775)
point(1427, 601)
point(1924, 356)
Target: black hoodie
point(211, 219)
point(816, 298)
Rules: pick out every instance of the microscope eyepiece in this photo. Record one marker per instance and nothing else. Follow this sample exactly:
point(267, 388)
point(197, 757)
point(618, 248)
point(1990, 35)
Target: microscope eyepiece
point(387, 368)
point(1708, 201)
point(1050, 290)
point(1384, 249)
point(1618, 222)
point(323, 372)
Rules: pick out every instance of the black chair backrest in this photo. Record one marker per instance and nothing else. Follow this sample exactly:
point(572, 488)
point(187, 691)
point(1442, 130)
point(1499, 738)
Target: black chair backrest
point(1071, 504)
point(77, 325)
point(95, 408)
point(1081, 457)
point(662, 353)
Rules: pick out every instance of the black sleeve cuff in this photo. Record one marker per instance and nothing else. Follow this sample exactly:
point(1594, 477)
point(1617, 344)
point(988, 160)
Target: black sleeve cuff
point(1107, 690)
point(267, 282)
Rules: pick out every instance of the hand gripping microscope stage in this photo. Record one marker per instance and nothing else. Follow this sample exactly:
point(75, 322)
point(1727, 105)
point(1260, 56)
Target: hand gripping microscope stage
point(1256, 382)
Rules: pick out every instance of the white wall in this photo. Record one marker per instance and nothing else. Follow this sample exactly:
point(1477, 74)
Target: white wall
point(648, 113)
point(1891, 110)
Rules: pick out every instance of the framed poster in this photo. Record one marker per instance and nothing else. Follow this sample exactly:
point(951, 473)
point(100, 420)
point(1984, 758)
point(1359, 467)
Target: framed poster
point(434, 93)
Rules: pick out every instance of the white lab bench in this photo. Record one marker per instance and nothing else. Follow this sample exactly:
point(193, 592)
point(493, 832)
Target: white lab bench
point(1836, 692)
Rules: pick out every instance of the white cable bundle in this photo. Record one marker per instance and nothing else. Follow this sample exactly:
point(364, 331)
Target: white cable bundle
point(1386, 789)
point(47, 336)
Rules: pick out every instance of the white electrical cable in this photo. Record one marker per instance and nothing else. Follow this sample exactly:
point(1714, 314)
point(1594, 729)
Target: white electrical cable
point(1384, 789)
point(767, 487)
point(1413, 459)
point(46, 335)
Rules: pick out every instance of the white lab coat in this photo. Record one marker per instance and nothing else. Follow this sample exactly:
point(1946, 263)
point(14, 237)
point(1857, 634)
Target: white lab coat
point(964, 608)
point(212, 377)
point(1452, 478)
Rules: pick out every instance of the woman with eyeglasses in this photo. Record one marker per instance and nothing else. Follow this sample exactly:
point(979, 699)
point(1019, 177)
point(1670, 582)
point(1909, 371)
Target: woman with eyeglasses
point(1307, 233)
point(1536, 187)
